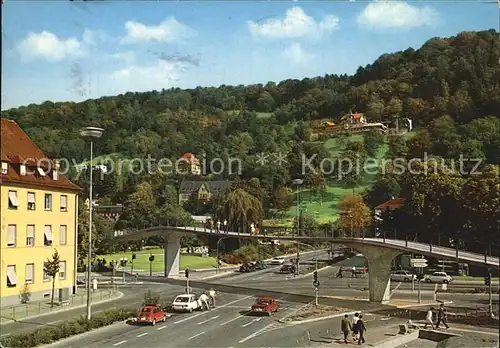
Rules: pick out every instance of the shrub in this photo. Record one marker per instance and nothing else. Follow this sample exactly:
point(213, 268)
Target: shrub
point(151, 298)
point(47, 335)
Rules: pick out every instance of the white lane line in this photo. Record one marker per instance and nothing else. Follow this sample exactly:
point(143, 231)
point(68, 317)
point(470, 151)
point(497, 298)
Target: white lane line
point(206, 321)
point(236, 318)
point(142, 334)
point(218, 307)
point(121, 342)
point(201, 333)
point(251, 322)
point(256, 333)
point(161, 328)
point(258, 278)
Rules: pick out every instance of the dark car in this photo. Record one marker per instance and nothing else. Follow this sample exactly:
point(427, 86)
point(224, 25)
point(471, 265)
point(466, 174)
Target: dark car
point(287, 269)
point(260, 264)
point(247, 267)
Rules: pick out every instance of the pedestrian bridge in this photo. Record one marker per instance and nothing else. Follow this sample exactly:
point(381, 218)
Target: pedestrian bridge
point(379, 252)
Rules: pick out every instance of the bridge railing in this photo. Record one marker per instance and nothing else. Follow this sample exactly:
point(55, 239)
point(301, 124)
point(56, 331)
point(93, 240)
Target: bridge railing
point(489, 250)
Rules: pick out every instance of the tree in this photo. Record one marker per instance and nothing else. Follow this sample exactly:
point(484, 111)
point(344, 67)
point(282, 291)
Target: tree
point(419, 145)
point(51, 268)
point(397, 147)
point(139, 210)
point(282, 199)
point(241, 209)
point(308, 224)
point(373, 141)
point(354, 213)
point(384, 189)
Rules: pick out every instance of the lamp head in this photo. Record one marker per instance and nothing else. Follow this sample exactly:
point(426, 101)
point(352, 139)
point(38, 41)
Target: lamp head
point(298, 182)
point(93, 132)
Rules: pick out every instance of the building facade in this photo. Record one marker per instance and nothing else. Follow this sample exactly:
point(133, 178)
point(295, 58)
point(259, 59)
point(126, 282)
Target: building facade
point(190, 164)
point(39, 213)
point(202, 191)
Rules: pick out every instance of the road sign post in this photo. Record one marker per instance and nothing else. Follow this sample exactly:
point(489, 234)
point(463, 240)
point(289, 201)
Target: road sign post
point(151, 259)
point(316, 295)
point(420, 264)
point(419, 281)
point(186, 273)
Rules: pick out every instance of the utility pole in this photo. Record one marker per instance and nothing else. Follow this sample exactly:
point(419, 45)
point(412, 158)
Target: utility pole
point(298, 182)
point(186, 273)
point(151, 259)
point(419, 281)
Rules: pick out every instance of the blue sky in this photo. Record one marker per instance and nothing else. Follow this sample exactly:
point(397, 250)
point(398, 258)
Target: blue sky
point(61, 50)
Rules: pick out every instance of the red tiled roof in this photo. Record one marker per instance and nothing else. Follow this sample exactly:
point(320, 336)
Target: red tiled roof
point(392, 203)
point(17, 148)
point(190, 158)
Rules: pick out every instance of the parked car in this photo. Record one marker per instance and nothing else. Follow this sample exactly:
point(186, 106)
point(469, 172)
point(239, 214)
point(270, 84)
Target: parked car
point(151, 314)
point(439, 277)
point(287, 269)
point(247, 267)
point(260, 264)
point(186, 303)
point(279, 260)
point(264, 304)
point(403, 276)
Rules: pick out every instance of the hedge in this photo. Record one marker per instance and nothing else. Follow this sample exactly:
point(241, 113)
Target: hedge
point(47, 335)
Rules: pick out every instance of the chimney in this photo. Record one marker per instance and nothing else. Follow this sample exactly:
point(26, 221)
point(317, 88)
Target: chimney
point(55, 170)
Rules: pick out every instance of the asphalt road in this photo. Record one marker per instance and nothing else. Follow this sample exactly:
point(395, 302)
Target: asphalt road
point(228, 325)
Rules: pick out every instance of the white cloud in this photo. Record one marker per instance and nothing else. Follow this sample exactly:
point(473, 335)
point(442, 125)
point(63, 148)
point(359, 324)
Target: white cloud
point(167, 31)
point(138, 78)
point(46, 45)
point(126, 56)
point(396, 14)
point(296, 54)
point(296, 23)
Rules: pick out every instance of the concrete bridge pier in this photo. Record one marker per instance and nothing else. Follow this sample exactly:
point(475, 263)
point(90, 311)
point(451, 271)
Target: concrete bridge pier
point(379, 270)
point(172, 252)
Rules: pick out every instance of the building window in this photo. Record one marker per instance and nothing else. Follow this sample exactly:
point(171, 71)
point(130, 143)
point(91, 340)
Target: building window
point(5, 167)
point(31, 201)
point(40, 171)
point(13, 201)
point(62, 234)
point(30, 235)
point(22, 170)
point(47, 235)
point(62, 270)
point(46, 277)
point(48, 201)
point(11, 276)
point(64, 203)
point(29, 273)
point(11, 235)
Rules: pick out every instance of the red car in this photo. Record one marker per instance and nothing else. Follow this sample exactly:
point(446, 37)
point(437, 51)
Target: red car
point(264, 304)
point(151, 314)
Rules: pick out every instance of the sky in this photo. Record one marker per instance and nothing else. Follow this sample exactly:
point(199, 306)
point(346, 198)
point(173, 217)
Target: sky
point(73, 51)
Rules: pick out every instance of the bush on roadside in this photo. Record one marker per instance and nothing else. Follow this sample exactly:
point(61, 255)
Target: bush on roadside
point(47, 335)
point(151, 298)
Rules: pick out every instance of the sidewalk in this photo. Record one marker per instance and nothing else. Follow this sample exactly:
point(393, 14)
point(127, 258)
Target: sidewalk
point(381, 337)
point(35, 309)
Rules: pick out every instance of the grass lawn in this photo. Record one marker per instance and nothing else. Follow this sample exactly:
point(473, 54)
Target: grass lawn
point(142, 260)
point(325, 208)
point(474, 278)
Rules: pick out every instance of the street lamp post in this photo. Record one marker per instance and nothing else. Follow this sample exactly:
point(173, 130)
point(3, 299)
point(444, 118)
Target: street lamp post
point(91, 132)
point(298, 182)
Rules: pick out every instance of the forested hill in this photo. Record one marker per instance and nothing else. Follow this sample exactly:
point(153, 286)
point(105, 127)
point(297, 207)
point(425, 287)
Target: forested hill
point(458, 76)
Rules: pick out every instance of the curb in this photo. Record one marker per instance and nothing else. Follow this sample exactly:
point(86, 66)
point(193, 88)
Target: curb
point(298, 322)
point(425, 304)
point(9, 321)
point(398, 340)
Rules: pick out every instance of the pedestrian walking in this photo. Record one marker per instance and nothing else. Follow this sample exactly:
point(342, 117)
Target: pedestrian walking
point(353, 271)
point(354, 326)
point(442, 317)
point(345, 326)
point(339, 274)
point(428, 319)
point(361, 329)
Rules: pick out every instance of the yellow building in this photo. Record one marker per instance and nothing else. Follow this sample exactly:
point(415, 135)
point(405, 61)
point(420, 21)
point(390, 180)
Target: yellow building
point(39, 213)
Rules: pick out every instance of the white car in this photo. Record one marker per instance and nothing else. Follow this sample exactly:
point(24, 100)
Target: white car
point(277, 261)
point(439, 277)
point(186, 303)
point(403, 276)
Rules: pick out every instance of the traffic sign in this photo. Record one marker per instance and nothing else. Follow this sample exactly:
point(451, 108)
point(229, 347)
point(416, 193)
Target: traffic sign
point(316, 283)
point(418, 260)
point(419, 265)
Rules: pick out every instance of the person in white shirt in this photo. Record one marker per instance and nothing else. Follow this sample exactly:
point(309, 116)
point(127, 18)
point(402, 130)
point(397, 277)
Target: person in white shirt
point(204, 302)
point(354, 326)
point(428, 319)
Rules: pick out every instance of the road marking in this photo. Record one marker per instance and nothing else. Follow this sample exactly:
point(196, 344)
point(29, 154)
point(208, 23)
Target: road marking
point(250, 323)
point(142, 334)
point(255, 334)
point(384, 319)
point(258, 278)
point(238, 317)
point(161, 328)
point(218, 307)
point(121, 342)
point(206, 321)
point(201, 333)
